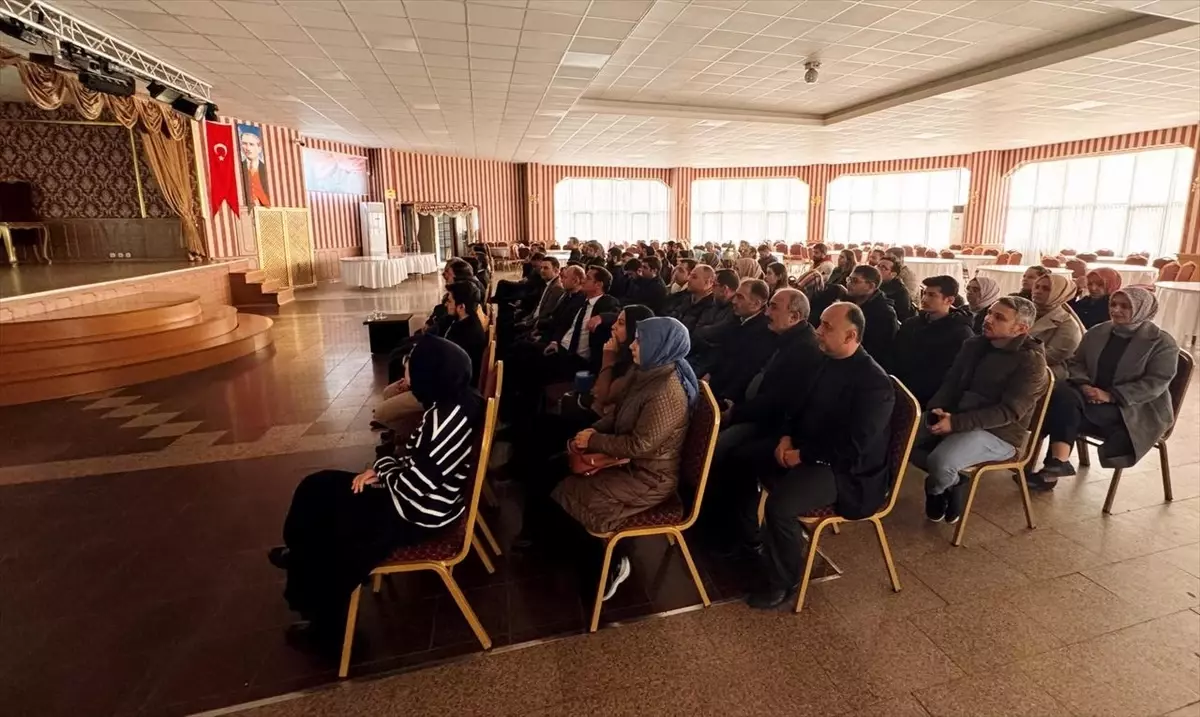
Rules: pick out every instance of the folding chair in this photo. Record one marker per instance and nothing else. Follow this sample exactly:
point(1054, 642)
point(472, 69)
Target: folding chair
point(1178, 391)
point(440, 554)
point(671, 518)
point(1017, 463)
point(491, 380)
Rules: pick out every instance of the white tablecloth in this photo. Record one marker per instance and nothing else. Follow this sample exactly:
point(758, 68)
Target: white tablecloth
point(421, 263)
point(1131, 275)
point(373, 272)
point(923, 268)
point(972, 262)
point(1179, 309)
point(1110, 259)
point(1008, 278)
point(562, 256)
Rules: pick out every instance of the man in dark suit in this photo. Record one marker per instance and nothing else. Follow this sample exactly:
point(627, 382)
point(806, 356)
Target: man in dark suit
point(746, 344)
point(574, 350)
point(647, 287)
point(462, 302)
point(893, 288)
point(863, 289)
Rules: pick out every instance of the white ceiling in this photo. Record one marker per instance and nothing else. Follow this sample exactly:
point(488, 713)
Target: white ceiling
point(498, 78)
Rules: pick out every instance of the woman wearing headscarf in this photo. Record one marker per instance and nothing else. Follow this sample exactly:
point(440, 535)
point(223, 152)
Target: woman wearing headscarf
point(1116, 389)
point(1056, 327)
point(1092, 308)
point(982, 292)
point(341, 525)
point(845, 265)
point(748, 268)
point(1029, 278)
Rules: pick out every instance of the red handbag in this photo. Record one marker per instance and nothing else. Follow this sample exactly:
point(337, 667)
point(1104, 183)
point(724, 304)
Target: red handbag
point(586, 464)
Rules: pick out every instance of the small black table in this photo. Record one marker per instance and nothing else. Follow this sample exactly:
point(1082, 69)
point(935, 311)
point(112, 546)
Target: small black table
point(387, 331)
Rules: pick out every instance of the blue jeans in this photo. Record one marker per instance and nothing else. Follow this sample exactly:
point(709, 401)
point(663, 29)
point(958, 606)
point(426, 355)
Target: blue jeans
point(958, 451)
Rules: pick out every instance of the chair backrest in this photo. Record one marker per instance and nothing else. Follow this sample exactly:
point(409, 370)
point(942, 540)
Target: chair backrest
point(1161, 261)
point(1067, 252)
point(1036, 420)
point(780, 247)
point(482, 454)
point(488, 365)
point(1104, 252)
point(1087, 257)
point(1169, 271)
point(1001, 260)
point(991, 252)
point(796, 250)
point(908, 250)
point(1137, 260)
point(1050, 261)
point(1179, 386)
point(495, 382)
point(1078, 267)
point(947, 254)
point(697, 453)
point(1186, 271)
point(906, 416)
point(1015, 257)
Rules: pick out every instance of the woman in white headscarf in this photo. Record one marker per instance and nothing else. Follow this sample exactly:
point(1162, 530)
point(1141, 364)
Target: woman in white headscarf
point(748, 268)
point(982, 292)
point(1117, 389)
point(1057, 327)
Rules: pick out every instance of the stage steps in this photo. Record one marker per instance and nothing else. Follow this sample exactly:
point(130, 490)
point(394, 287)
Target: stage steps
point(120, 342)
point(252, 288)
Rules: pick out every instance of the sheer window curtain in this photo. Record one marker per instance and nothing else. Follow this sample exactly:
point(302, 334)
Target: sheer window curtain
point(901, 208)
point(756, 210)
point(611, 210)
point(1128, 202)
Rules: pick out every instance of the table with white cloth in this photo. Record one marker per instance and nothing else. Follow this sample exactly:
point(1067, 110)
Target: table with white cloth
point(923, 267)
point(562, 256)
point(1109, 259)
point(972, 262)
point(1179, 310)
point(421, 263)
point(1008, 278)
point(1131, 274)
point(373, 272)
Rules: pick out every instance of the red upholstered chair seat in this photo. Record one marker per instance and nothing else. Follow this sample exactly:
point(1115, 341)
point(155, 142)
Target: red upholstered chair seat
point(443, 547)
point(817, 514)
point(669, 512)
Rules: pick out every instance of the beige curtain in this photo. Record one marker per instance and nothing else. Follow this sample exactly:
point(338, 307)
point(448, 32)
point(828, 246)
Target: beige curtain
point(50, 89)
point(168, 159)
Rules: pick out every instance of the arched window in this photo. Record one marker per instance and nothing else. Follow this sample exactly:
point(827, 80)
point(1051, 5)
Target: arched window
point(757, 210)
point(1128, 202)
point(611, 210)
point(904, 208)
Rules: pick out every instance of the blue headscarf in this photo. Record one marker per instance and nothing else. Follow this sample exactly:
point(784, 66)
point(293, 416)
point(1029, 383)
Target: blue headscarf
point(663, 340)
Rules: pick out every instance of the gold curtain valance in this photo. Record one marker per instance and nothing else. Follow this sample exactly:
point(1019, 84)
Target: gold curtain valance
point(50, 89)
point(442, 208)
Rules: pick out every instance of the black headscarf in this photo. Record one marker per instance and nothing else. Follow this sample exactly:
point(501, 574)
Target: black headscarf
point(440, 373)
point(633, 314)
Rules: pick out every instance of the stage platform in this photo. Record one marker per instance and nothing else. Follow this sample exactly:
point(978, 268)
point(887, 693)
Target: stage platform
point(31, 278)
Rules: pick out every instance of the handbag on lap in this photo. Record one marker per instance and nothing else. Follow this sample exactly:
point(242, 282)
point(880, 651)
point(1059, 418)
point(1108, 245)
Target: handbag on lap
point(586, 464)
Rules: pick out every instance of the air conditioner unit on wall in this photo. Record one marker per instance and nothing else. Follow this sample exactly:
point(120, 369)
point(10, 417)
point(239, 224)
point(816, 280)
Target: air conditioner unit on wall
point(374, 228)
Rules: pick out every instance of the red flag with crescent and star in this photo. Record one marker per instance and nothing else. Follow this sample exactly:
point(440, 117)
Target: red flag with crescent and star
point(222, 167)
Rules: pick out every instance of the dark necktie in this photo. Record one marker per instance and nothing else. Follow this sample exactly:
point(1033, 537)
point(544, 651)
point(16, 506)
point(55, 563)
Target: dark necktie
point(578, 332)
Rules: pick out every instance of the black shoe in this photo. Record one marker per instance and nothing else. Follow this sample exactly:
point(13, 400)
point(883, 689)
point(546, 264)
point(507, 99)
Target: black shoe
point(280, 556)
point(738, 551)
point(956, 501)
point(771, 598)
point(1041, 482)
point(1054, 468)
point(935, 506)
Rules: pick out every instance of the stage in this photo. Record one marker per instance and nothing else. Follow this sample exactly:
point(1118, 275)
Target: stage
point(31, 278)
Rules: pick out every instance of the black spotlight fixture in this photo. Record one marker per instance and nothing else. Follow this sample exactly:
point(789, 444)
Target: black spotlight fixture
point(210, 114)
point(189, 107)
point(109, 84)
point(19, 30)
point(161, 92)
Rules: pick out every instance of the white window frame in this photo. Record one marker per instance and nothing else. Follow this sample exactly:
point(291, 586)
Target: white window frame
point(895, 207)
point(611, 210)
point(736, 209)
point(1100, 202)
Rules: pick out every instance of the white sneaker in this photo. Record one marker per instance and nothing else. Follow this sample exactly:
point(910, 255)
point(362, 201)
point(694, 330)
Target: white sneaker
point(616, 576)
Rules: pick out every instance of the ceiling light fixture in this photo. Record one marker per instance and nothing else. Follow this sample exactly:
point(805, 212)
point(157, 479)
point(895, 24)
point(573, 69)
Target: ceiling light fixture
point(664, 142)
point(1085, 105)
point(810, 71)
point(590, 60)
point(427, 106)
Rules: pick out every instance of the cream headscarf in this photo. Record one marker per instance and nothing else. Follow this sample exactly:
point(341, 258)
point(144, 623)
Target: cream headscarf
point(989, 291)
point(1062, 290)
point(748, 268)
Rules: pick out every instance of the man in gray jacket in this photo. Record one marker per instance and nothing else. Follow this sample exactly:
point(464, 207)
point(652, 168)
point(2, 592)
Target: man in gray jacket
point(984, 407)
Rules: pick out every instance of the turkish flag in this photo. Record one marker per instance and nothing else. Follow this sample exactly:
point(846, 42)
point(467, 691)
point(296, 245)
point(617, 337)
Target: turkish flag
point(222, 166)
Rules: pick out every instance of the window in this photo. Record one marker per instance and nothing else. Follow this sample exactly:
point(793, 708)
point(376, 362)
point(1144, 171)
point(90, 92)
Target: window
point(908, 208)
point(1127, 202)
point(611, 210)
point(756, 210)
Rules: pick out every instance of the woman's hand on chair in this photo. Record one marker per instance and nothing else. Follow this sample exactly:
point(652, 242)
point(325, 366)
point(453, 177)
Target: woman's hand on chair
point(364, 479)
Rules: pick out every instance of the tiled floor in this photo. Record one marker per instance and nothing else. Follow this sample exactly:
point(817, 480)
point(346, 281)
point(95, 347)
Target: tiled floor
point(132, 578)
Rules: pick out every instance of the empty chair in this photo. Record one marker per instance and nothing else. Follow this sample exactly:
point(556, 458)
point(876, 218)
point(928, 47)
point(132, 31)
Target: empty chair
point(947, 254)
point(1002, 259)
point(1050, 261)
point(908, 250)
point(1187, 271)
point(1089, 257)
point(781, 248)
point(1079, 268)
point(1169, 271)
point(1105, 252)
point(1067, 252)
point(1137, 260)
point(1015, 257)
point(1161, 261)
point(991, 252)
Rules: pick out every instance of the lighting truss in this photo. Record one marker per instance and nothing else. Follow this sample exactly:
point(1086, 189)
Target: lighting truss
point(56, 24)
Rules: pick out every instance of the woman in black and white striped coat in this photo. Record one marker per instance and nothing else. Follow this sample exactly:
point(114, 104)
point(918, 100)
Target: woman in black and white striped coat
point(341, 525)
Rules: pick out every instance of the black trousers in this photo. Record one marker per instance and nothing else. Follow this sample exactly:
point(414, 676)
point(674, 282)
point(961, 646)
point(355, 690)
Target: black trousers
point(336, 537)
point(791, 493)
point(1069, 414)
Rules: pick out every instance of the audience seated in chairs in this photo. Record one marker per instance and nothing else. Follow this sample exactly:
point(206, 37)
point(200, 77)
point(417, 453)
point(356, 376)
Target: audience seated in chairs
point(981, 411)
point(708, 338)
point(547, 301)
point(832, 451)
point(647, 287)
point(1092, 307)
point(745, 345)
point(893, 288)
point(341, 525)
point(907, 277)
point(644, 431)
point(699, 308)
point(1116, 389)
point(926, 345)
point(863, 289)
point(1029, 278)
point(1056, 327)
point(679, 277)
point(982, 292)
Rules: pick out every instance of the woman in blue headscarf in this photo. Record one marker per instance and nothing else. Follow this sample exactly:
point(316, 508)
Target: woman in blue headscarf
point(647, 427)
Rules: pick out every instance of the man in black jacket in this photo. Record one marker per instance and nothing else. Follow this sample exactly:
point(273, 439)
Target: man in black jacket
point(576, 349)
point(893, 288)
point(863, 289)
point(926, 344)
point(746, 345)
point(462, 301)
point(699, 307)
point(555, 324)
point(647, 288)
point(834, 451)
point(708, 338)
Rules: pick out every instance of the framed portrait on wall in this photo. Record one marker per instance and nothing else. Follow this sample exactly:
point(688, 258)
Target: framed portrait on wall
point(255, 183)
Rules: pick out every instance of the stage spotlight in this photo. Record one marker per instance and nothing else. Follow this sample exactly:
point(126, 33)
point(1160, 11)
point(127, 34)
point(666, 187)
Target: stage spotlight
point(161, 92)
point(109, 84)
point(210, 113)
point(189, 107)
point(19, 30)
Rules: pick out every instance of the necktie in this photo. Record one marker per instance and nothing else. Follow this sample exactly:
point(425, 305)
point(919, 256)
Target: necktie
point(578, 331)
